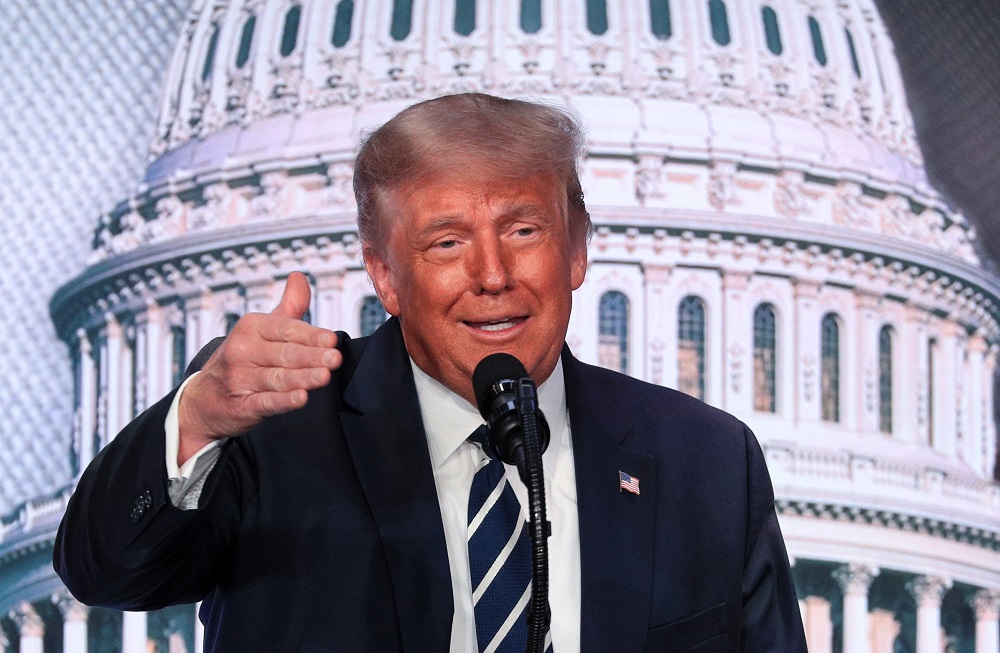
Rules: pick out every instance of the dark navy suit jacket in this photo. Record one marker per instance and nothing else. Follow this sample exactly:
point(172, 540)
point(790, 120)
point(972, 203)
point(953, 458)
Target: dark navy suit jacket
point(320, 529)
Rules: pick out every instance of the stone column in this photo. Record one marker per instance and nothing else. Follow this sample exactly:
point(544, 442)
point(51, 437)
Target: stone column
point(867, 399)
point(855, 579)
point(88, 400)
point(30, 627)
point(737, 369)
point(118, 391)
point(928, 591)
point(808, 391)
point(989, 427)
point(884, 629)
point(945, 395)
point(818, 625)
point(134, 634)
point(977, 384)
point(660, 357)
point(74, 616)
point(986, 603)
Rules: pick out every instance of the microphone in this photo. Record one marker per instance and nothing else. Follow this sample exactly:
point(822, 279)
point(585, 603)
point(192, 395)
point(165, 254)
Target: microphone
point(498, 383)
point(518, 434)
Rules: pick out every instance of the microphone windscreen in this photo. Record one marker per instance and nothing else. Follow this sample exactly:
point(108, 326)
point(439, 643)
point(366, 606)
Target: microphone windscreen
point(491, 370)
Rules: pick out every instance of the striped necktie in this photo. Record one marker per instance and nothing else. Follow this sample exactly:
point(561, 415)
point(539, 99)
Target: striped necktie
point(499, 559)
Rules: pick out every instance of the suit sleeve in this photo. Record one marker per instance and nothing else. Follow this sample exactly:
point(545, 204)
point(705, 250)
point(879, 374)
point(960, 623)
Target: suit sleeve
point(122, 543)
point(771, 618)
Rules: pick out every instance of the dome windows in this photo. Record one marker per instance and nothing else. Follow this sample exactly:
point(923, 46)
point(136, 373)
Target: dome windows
point(342, 17)
point(465, 17)
point(854, 53)
point(531, 16)
point(819, 51)
point(612, 347)
point(659, 19)
point(213, 43)
point(885, 379)
point(719, 19)
point(765, 359)
point(597, 16)
point(691, 347)
point(290, 32)
point(771, 32)
point(402, 19)
point(829, 373)
point(246, 41)
point(371, 316)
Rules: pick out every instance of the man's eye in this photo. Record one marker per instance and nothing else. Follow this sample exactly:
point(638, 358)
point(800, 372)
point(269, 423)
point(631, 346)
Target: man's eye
point(525, 231)
point(447, 244)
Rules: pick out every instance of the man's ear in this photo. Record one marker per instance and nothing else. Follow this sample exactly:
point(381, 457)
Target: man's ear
point(578, 265)
point(381, 276)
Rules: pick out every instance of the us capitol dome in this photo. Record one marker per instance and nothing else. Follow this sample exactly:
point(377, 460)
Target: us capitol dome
point(766, 240)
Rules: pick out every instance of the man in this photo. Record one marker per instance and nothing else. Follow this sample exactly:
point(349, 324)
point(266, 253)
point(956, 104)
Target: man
point(316, 487)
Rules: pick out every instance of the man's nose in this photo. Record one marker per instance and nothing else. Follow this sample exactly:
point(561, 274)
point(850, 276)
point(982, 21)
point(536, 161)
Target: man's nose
point(490, 265)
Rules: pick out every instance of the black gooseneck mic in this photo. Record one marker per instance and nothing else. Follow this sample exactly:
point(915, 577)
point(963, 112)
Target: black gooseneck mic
point(518, 434)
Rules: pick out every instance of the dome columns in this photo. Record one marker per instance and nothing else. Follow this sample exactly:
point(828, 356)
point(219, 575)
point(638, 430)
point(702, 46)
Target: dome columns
point(928, 591)
point(30, 627)
point(855, 579)
point(986, 604)
point(74, 616)
point(807, 358)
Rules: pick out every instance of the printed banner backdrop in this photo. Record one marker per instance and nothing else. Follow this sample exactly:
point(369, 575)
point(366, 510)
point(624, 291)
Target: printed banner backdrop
point(766, 240)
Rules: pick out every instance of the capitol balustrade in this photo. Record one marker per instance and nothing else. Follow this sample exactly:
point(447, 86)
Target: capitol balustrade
point(859, 482)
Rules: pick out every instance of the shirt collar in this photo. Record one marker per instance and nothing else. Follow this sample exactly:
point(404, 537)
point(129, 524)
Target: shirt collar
point(449, 419)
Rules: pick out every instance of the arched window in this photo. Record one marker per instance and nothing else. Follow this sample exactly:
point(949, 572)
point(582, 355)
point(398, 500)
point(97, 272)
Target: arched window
point(819, 51)
point(691, 347)
point(772, 34)
point(829, 372)
point(720, 21)
point(597, 16)
point(178, 354)
point(290, 33)
point(213, 43)
point(402, 19)
point(612, 345)
point(765, 363)
point(231, 320)
point(465, 16)
point(372, 315)
point(659, 19)
point(854, 53)
point(531, 16)
point(246, 40)
point(341, 33)
point(885, 380)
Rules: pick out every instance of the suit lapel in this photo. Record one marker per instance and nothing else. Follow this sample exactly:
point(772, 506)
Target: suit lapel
point(389, 449)
point(616, 527)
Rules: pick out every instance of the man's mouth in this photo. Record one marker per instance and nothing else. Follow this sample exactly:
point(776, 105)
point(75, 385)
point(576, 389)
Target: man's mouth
point(497, 325)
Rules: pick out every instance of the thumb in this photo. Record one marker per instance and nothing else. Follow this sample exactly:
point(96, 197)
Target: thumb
point(295, 299)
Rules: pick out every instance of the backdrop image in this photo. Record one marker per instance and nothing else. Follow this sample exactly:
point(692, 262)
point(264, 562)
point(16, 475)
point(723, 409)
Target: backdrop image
point(769, 238)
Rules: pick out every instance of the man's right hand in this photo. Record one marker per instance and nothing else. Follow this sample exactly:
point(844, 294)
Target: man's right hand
point(265, 366)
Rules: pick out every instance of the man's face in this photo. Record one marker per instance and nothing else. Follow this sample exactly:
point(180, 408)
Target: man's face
point(474, 266)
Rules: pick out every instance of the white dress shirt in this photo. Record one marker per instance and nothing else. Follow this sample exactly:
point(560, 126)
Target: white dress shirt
point(448, 422)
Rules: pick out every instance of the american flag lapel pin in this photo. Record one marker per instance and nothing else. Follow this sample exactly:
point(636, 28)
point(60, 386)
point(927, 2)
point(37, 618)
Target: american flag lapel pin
point(628, 483)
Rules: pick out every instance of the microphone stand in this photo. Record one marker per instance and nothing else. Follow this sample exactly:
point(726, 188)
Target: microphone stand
point(531, 474)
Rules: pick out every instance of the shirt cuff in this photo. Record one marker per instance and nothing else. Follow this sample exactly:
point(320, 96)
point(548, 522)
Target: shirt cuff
point(186, 481)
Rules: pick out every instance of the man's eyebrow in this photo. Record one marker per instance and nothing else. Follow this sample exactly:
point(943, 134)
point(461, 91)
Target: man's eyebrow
point(523, 211)
point(441, 223)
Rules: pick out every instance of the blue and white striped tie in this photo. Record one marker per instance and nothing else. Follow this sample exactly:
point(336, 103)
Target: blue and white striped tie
point(499, 559)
